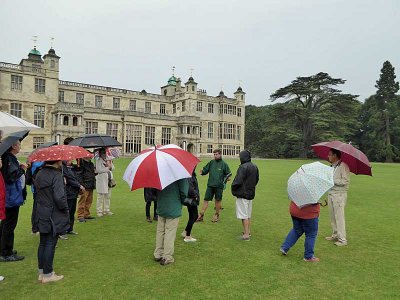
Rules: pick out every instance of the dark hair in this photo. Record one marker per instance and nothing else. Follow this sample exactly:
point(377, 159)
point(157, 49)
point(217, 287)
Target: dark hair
point(68, 140)
point(50, 162)
point(336, 152)
point(217, 151)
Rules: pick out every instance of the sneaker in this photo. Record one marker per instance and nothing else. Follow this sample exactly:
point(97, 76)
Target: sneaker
point(245, 238)
point(148, 219)
point(165, 262)
point(200, 218)
point(190, 239)
point(81, 220)
point(11, 258)
point(331, 238)
point(90, 218)
point(158, 258)
point(63, 237)
point(109, 213)
point(72, 232)
point(283, 251)
point(1, 278)
point(99, 215)
point(53, 277)
point(312, 259)
point(215, 218)
point(183, 234)
point(340, 244)
point(40, 277)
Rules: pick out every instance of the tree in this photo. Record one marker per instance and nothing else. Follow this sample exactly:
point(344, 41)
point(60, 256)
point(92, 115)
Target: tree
point(385, 97)
point(315, 103)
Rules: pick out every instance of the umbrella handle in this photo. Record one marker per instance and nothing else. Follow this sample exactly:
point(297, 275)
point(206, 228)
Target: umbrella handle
point(325, 203)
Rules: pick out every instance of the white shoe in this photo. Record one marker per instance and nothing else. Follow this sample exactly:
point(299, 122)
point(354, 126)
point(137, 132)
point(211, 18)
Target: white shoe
point(183, 234)
point(99, 215)
point(189, 239)
point(51, 278)
point(1, 278)
point(108, 213)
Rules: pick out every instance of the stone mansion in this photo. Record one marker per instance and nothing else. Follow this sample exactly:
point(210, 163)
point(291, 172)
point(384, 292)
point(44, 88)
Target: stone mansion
point(181, 114)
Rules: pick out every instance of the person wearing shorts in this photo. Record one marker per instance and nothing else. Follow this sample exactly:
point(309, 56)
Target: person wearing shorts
point(244, 189)
point(219, 174)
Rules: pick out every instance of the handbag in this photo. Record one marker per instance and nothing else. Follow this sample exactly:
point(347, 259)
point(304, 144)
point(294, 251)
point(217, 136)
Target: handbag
point(190, 202)
point(111, 181)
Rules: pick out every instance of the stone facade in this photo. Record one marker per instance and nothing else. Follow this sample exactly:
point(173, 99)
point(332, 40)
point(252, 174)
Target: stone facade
point(182, 114)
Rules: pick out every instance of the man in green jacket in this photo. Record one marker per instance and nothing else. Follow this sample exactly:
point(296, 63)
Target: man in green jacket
point(219, 174)
point(169, 209)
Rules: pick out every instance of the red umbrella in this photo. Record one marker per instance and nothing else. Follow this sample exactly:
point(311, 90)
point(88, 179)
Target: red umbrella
point(59, 152)
point(356, 160)
point(158, 167)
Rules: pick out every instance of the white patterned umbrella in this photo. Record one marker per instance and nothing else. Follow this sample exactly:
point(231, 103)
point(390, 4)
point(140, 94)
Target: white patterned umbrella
point(10, 124)
point(309, 183)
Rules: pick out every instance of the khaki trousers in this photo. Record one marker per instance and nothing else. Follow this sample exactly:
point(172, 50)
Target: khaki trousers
point(84, 204)
point(103, 203)
point(165, 238)
point(337, 202)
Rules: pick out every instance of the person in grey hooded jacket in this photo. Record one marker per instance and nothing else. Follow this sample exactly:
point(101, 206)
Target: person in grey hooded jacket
point(244, 189)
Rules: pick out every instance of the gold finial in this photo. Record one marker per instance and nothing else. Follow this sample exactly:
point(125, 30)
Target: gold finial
point(173, 71)
point(51, 42)
point(34, 39)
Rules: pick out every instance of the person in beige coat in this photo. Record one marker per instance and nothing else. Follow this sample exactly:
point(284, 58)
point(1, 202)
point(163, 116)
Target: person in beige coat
point(104, 168)
point(337, 198)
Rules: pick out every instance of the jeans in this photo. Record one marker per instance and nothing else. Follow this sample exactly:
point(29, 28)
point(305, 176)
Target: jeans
point(300, 226)
point(46, 251)
point(72, 209)
point(193, 215)
point(148, 205)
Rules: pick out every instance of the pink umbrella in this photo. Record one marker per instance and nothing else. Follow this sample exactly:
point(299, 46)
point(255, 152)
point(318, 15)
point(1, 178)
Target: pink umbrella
point(158, 167)
point(356, 160)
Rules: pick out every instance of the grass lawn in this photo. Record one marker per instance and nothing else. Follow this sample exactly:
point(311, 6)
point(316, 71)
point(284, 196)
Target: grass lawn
point(112, 257)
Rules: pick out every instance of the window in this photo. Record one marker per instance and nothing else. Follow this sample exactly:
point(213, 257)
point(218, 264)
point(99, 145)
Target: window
point(200, 131)
point(229, 131)
point(75, 121)
point(166, 136)
point(174, 108)
point(66, 121)
point(221, 108)
point(162, 109)
point(112, 130)
point(37, 141)
point(133, 138)
point(225, 107)
point(183, 105)
point(52, 64)
point(239, 112)
point(91, 127)
point(132, 105)
point(147, 107)
point(80, 98)
point(239, 131)
point(149, 135)
point(192, 88)
point(237, 150)
point(16, 109)
point(229, 150)
point(40, 85)
point(188, 129)
point(60, 96)
point(116, 103)
point(199, 106)
point(16, 83)
point(210, 130)
point(210, 108)
point(220, 131)
point(98, 101)
point(38, 115)
point(209, 148)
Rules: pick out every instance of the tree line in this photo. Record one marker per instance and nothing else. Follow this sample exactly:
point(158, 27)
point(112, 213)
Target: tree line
point(313, 109)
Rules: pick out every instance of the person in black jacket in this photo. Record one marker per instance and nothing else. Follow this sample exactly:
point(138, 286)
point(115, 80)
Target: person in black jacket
point(150, 195)
point(191, 203)
point(87, 178)
point(244, 189)
point(51, 217)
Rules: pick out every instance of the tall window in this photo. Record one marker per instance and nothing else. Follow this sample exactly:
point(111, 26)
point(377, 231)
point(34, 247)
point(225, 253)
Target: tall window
point(16, 109)
point(66, 121)
point(37, 141)
point(166, 136)
point(162, 109)
point(133, 138)
point(112, 130)
point(98, 101)
point(174, 108)
point(40, 85)
point(209, 148)
point(210, 130)
point(147, 107)
point(52, 64)
point(38, 115)
point(229, 131)
point(60, 96)
point(16, 83)
point(239, 112)
point(239, 131)
point(220, 131)
point(221, 109)
point(199, 106)
point(91, 127)
point(183, 105)
point(228, 150)
point(149, 135)
point(116, 103)
point(74, 121)
point(210, 108)
point(132, 105)
point(237, 150)
point(80, 98)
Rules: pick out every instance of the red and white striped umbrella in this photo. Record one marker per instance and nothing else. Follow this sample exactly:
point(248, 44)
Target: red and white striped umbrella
point(158, 167)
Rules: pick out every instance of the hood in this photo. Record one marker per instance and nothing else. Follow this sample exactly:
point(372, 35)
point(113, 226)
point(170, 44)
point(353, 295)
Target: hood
point(244, 156)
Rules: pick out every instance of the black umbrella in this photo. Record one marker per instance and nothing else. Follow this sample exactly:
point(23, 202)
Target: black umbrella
point(46, 145)
point(95, 141)
point(11, 139)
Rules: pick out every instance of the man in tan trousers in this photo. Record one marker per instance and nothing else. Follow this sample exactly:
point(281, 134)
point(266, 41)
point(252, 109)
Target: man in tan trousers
point(337, 198)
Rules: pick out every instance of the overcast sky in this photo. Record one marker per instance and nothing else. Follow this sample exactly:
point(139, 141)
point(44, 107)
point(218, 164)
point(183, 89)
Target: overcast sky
point(265, 44)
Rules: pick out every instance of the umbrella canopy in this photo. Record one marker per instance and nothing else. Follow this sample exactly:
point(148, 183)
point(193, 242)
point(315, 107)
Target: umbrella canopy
point(59, 152)
point(11, 139)
point(111, 153)
point(356, 160)
point(309, 183)
point(45, 145)
point(158, 167)
point(95, 141)
point(10, 124)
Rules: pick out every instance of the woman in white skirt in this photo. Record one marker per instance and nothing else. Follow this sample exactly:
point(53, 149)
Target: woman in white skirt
point(103, 171)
